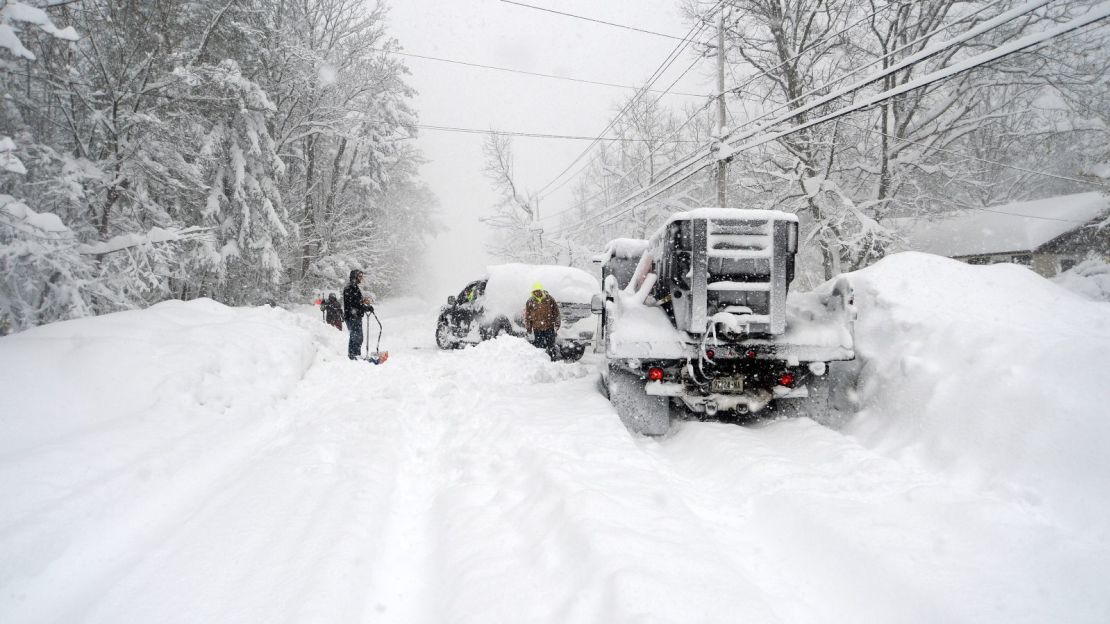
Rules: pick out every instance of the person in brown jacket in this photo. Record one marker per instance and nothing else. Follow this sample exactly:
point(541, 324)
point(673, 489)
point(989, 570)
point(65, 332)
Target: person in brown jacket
point(541, 319)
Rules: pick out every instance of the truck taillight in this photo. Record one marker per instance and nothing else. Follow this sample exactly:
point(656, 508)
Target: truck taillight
point(655, 373)
point(786, 379)
point(751, 355)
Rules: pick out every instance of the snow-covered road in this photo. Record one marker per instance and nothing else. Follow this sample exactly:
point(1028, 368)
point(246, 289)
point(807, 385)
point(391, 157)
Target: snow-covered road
point(258, 476)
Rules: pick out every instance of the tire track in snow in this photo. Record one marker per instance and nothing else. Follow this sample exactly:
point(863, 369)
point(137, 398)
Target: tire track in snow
point(517, 515)
point(490, 485)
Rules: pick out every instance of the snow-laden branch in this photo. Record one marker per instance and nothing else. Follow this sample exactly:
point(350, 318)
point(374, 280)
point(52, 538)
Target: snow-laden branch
point(154, 236)
point(13, 12)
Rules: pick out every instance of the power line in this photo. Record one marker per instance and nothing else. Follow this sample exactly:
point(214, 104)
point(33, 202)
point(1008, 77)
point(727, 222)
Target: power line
point(781, 64)
point(594, 20)
point(207, 100)
point(737, 88)
point(567, 179)
point(994, 54)
point(524, 72)
point(658, 73)
point(861, 20)
point(970, 157)
point(907, 62)
point(533, 135)
point(636, 165)
point(1012, 214)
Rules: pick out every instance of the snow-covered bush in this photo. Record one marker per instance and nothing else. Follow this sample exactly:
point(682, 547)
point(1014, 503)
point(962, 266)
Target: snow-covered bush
point(1090, 278)
point(43, 276)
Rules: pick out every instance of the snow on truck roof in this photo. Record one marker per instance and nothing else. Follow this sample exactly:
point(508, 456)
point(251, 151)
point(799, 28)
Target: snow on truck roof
point(626, 248)
point(731, 213)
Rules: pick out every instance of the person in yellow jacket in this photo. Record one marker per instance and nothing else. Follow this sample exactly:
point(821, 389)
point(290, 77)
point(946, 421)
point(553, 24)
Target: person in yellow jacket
point(541, 319)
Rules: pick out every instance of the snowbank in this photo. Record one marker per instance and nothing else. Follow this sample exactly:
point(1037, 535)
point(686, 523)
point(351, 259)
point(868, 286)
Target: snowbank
point(197, 463)
point(992, 375)
point(1090, 278)
point(112, 424)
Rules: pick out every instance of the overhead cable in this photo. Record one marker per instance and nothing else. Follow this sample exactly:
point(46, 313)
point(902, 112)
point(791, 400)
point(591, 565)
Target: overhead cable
point(524, 72)
point(970, 157)
point(1095, 15)
point(681, 164)
point(658, 73)
point(909, 61)
point(709, 101)
point(533, 135)
point(640, 163)
point(591, 19)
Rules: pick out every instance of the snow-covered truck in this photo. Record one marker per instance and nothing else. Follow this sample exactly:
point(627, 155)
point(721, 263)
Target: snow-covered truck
point(494, 305)
point(698, 319)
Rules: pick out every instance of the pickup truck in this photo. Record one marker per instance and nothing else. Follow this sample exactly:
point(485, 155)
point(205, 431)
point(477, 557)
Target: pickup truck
point(698, 320)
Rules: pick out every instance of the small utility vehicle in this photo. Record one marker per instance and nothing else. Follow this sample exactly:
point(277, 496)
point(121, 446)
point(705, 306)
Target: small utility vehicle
point(494, 306)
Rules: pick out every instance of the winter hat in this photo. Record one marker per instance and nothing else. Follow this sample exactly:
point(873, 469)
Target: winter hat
point(537, 286)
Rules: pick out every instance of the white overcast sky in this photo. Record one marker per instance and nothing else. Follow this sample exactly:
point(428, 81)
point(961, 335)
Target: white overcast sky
point(491, 32)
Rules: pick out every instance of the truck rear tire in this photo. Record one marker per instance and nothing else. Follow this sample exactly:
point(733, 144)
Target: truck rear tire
point(641, 413)
point(571, 352)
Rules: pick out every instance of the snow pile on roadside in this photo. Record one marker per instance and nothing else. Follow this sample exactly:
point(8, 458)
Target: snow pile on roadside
point(510, 360)
point(1090, 278)
point(112, 423)
point(991, 375)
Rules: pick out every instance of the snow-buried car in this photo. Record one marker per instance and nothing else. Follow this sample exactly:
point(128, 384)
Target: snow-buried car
point(494, 305)
point(698, 319)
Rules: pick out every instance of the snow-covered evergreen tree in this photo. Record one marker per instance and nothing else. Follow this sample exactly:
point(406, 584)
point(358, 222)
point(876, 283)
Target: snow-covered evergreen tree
point(246, 151)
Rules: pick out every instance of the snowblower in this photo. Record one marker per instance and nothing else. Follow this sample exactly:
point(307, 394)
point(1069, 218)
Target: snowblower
point(377, 356)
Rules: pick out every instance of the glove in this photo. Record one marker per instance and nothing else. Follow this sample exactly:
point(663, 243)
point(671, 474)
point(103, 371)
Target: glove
point(370, 309)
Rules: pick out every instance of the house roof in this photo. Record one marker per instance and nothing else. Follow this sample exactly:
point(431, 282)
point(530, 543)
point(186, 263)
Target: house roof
point(1020, 226)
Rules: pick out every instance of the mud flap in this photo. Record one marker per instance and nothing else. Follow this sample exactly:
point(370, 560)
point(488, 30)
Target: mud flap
point(641, 413)
point(814, 407)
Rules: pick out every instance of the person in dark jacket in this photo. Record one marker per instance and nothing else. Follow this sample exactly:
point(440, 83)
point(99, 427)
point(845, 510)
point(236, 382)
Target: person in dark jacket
point(542, 320)
point(354, 307)
point(333, 312)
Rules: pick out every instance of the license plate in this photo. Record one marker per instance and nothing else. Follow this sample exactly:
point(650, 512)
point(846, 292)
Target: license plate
point(727, 384)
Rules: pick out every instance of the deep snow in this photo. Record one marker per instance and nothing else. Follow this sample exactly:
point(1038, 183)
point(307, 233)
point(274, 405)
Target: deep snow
point(1090, 278)
point(991, 375)
point(198, 463)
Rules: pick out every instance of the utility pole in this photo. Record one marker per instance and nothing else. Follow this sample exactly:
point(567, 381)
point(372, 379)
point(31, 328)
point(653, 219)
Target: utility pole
point(722, 120)
point(536, 226)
